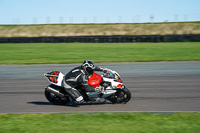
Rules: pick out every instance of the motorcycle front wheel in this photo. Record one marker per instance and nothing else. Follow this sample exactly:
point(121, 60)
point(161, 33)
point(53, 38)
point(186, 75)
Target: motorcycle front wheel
point(55, 99)
point(121, 96)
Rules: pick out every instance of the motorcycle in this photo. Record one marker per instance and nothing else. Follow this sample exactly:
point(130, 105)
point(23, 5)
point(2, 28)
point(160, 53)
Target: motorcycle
point(108, 87)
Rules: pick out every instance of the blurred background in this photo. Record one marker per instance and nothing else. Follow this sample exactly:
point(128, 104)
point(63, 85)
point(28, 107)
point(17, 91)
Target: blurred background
point(50, 18)
point(98, 11)
point(145, 18)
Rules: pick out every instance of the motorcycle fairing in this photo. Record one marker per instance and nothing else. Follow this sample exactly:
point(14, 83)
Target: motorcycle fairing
point(55, 77)
point(95, 80)
point(105, 93)
point(114, 84)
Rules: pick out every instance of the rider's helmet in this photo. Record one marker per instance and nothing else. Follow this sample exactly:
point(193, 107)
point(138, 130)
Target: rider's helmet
point(88, 67)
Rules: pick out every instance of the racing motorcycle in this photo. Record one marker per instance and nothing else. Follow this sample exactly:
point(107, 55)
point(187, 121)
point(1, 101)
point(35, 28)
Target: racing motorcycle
point(108, 87)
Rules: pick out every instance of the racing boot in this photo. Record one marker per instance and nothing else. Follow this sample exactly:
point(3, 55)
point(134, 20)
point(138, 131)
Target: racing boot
point(75, 95)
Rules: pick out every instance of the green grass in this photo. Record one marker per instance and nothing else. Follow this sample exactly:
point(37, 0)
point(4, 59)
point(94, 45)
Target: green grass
point(61, 53)
point(100, 123)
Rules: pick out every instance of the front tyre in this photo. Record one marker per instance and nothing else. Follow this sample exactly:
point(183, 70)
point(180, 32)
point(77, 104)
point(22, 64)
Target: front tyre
point(55, 99)
point(121, 96)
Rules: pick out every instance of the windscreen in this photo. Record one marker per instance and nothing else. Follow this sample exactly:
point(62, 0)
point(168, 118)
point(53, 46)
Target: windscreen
point(109, 74)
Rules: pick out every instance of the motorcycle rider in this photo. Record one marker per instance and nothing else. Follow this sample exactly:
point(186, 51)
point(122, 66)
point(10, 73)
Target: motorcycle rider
point(79, 77)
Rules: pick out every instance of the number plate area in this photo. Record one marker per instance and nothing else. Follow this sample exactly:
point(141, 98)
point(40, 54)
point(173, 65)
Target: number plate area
point(54, 77)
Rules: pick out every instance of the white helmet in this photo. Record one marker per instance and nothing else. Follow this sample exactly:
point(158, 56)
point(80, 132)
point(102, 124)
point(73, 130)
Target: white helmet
point(88, 67)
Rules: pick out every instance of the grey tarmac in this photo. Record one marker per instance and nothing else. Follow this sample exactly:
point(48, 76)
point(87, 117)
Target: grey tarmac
point(155, 87)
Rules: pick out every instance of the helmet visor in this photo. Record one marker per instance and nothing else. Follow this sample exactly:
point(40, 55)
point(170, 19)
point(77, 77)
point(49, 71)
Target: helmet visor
point(89, 70)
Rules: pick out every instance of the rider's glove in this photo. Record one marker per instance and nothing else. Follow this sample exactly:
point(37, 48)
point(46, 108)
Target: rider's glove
point(105, 70)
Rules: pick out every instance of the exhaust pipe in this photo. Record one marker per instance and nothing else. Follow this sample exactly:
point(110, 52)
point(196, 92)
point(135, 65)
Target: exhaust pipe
point(54, 91)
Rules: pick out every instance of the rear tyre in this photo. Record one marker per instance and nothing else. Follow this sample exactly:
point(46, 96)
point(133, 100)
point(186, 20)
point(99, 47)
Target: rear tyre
point(121, 96)
point(55, 99)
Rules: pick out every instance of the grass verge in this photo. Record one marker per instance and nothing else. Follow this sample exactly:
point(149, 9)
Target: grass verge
point(61, 53)
point(177, 28)
point(100, 122)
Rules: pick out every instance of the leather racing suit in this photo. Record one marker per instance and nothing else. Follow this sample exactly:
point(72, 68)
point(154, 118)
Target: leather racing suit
point(77, 77)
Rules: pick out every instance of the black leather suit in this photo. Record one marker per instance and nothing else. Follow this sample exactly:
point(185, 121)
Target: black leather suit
point(77, 77)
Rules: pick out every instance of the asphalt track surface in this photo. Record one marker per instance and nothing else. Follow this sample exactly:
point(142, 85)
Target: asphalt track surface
point(155, 87)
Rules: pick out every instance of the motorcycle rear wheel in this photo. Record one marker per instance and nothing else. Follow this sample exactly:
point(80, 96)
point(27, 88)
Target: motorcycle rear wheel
point(121, 96)
point(55, 99)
